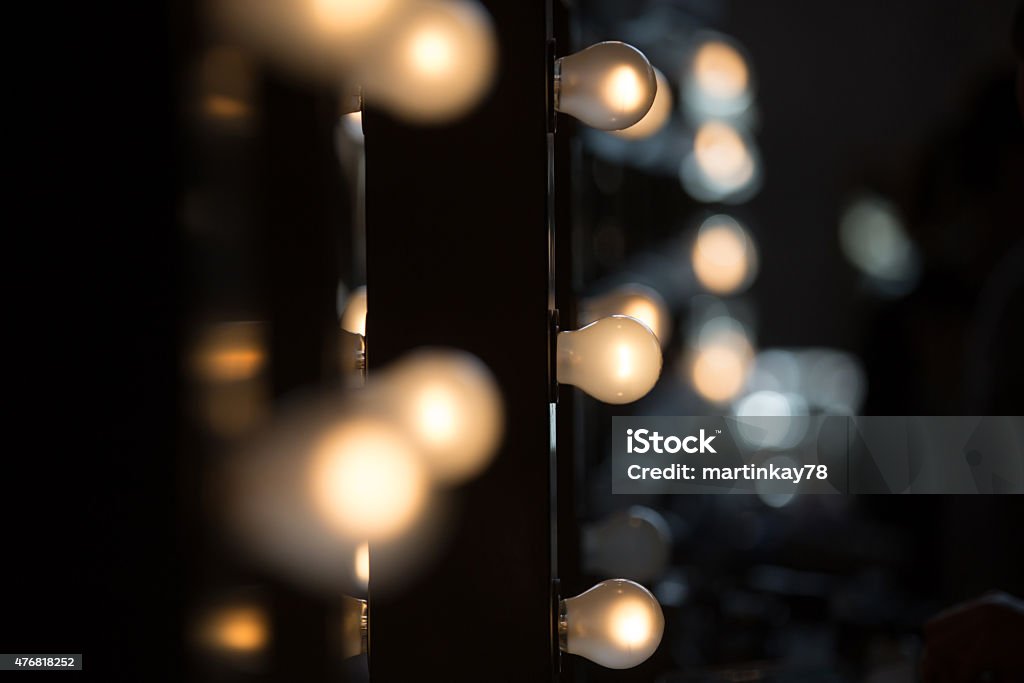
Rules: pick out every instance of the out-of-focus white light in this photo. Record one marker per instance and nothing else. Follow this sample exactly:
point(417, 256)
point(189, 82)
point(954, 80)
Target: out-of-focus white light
point(658, 115)
point(724, 256)
point(362, 564)
point(367, 480)
point(769, 419)
point(437, 63)
point(717, 82)
point(634, 301)
point(777, 493)
point(873, 238)
point(722, 166)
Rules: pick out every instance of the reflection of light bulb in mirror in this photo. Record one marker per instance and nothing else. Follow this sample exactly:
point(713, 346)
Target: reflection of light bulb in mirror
point(449, 403)
point(724, 256)
point(655, 119)
point(616, 359)
point(635, 301)
point(608, 86)
point(617, 624)
point(718, 81)
point(367, 479)
point(721, 360)
point(633, 543)
point(239, 629)
point(353, 319)
point(723, 164)
point(437, 63)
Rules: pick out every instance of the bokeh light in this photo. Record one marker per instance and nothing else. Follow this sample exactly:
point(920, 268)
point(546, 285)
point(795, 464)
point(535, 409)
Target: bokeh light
point(633, 300)
point(718, 80)
point(874, 240)
point(724, 256)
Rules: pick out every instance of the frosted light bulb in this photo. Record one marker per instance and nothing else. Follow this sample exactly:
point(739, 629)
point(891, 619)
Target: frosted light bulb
point(617, 624)
point(633, 543)
point(353, 319)
point(655, 119)
point(635, 301)
point(609, 86)
point(616, 359)
point(724, 256)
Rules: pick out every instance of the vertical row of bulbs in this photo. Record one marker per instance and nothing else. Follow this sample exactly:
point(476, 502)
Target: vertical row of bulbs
point(616, 359)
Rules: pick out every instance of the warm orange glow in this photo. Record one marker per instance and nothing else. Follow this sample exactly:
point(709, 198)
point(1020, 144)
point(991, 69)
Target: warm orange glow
point(624, 90)
point(656, 117)
point(719, 372)
point(723, 156)
point(720, 71)
point(238, 629)
point(230, 352)
point(367, 480)
point(362, 564)
point(723, 256)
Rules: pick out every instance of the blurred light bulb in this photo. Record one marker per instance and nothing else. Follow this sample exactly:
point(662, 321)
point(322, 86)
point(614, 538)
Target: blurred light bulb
point(353, 319)
point(635, 301)
point(617, 624)
point(724, 256)
point(722, 165)
point(367, 480)
point(633, 543)
point(616, 359)
point(239, 629)
point(437, 63)
point(718, 82)
point(721, 360)
point(609, 86)
point(449, 404)
point(658, 115)
point(362, 564)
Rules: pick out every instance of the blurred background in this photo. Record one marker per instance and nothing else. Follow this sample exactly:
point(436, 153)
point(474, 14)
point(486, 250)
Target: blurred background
point(821, 214)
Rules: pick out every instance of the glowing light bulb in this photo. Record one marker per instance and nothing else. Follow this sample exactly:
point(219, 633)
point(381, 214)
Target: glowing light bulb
point(609, 86)
point(437, 63)
point(450, 406)
point(616, 359)
point(635, 301)
point(721, 360)
point(617, 624)
point(361, 563)
point(718, 82)
point(723, 165)
point(240, 629)
point(633, 543)
point(353, 319)
point(656, 118)
point(724, 256)
point(367, 480)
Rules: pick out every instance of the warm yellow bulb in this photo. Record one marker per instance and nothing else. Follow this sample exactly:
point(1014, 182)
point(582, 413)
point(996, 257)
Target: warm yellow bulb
point(723, 156)
point(367, 480)
point(609, 86)
point(437, 64)
point(658, 115)
point(353, 319)
point(616, 359)
point(450, 406)
point(617, 624)
point(720, 72)
point(724, 257)
point(720, 361)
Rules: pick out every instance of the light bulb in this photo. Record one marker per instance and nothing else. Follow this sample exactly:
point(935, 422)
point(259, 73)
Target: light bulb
point(616, 359)
point(609, 86)
point(617, 624)
point(368, 480)
point(449, 404)
point(633, 543)
point(724, 256)
point(655, 119)
point(718, 82)
point(353, 319)
point(635, 301)
point(437, 63)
